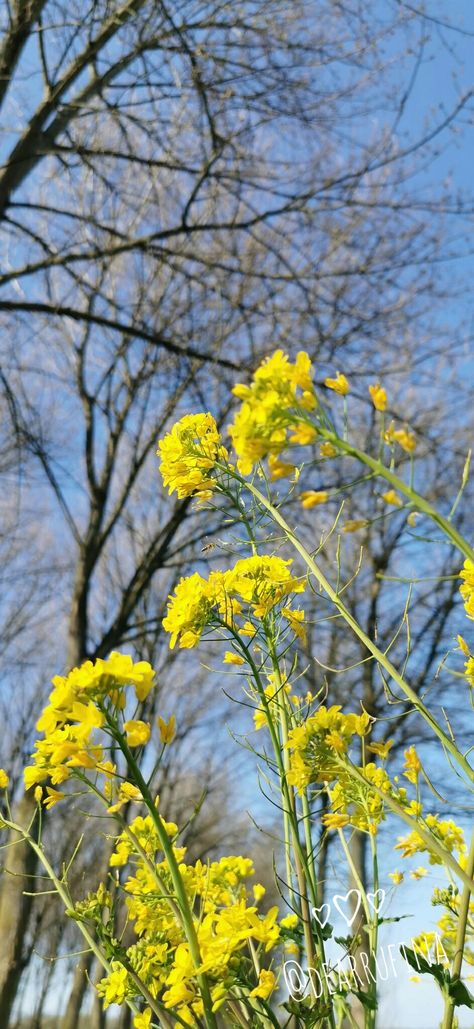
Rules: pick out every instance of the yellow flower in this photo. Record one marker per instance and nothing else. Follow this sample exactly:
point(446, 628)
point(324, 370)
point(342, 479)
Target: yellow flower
point(189, 454)
point(310, 498)
point(419, 873)
point(259, 891)
point(303, 434)
point(114, 987)
point(381, 749)
point(231, 658)
point(143, 1021)
point(335, 821)
point(296, 621)
point(467, 588)
point(392, 497)
point(53, 797)
point(463, 645)
point(354, 524)
point(412, 765)
point(38, 794)
point(289, 921)
point(167, 729)
point(396, 877)
point(405, 439)
point(379, 397)
point(127, 792)
point(328, 450)
point(4, 780)
point(279, 469)
point(266, 984)
point(188, 611)
point(269, 411)
point(137, 732)
point(339, 384)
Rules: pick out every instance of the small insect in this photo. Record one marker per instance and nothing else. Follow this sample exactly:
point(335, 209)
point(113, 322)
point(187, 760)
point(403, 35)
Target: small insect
point(208, 547)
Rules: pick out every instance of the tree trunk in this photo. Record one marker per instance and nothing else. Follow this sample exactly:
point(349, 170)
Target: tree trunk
point(20, 862)
point(98, 1015)
point(70, 1019)
point(358, 846)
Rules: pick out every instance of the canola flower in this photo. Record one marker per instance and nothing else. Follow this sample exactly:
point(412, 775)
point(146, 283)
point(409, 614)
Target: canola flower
point(256, 583)
point(267, 419)
point(227, 920)
point(189, 454)
point(339, 385)
point(467, 588)
point(73, 716)
point(379, 397)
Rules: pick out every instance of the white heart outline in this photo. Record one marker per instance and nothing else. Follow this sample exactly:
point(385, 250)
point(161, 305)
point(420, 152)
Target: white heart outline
point(345, 898)
point(315, 914)
point(373, 897)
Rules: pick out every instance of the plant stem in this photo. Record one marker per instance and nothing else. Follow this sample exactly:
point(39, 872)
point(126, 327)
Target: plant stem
point(182, 897)
point(460, 937)
point(415, 498)
point(378, 654)
point(63, 893)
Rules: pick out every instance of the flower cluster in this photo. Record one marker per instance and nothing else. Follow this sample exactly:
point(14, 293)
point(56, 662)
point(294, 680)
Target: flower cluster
point(445, 831)
point(76, 711)
point(226, 919)
point(268, 414)
point(257, 583)
point(317, 745)
point(188, 455)
point(467, 588)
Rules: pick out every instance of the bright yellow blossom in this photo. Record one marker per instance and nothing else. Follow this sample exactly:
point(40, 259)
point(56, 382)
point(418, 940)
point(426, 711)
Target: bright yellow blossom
point(379, 397)
point(392, 497)
point(339, 384)
point(310, 498)
point(167, 729)
point(381, 748)
point(143, 1020)
point(412, 765)
point(396, 877)
point(137, 732)
point(268, 412)
point(418, 873)
point(266, 984)
point(231, 658)
point(405, 439)
point(289, 921)
point(52, 797)
point(189, 454)
point(296, 621)
point(4, 780)
point(335, 821)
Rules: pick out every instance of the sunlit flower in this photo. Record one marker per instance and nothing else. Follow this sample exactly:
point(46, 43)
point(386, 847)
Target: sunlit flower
point(339, 384)
point(310, 498)
point(379, 397)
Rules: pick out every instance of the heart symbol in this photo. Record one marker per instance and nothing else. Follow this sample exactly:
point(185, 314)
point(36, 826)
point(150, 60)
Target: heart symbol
point(376, 900)
point(322, 914)
point(340, 897)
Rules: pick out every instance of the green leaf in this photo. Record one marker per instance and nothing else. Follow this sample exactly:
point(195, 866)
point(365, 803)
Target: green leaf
point(367, 999)
point(460, 993)
point(420, 964)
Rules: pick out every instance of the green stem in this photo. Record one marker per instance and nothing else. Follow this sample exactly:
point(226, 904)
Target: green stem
point(415, 498)
point(431, 842)
point(63, 893)
point(460, 936)
point(380, 657)
point(182, 897)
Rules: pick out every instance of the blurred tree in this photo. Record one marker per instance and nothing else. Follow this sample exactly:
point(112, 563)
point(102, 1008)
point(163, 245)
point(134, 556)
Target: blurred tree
point(183, 187)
